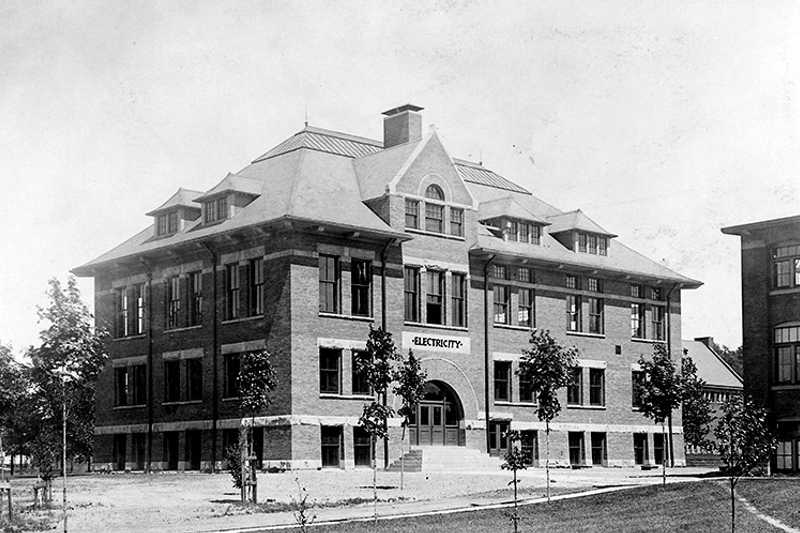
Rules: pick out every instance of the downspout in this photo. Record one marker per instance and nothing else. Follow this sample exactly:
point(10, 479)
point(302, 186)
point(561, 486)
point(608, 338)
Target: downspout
point(486, 358)
point(214, 358)
point(149, 367)
point(669, 351)
point(383, 326)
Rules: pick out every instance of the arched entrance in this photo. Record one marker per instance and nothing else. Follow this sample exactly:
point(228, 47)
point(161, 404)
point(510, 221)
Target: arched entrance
point(439, 420)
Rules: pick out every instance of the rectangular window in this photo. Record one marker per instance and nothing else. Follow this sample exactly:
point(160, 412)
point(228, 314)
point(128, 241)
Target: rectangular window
point(120, 386)
point(656, 293)
point(575, 387)
point(576, 453)
point(195, 298)
point(361, 447)
point(411, 294)
point(122, 319)
point(602, 243)
point(637, 321)
point(598, 448)
point(172, 222)
point(502, 381)
point(783, 274)
point(138, 301)
point(330, 366)
point(536, 234)
point(637, 382)
point(138, 447)
point(596, 315)
point(571, 282)
point(222, 208)
point(194, 379)
point(529, 446)
point(231, 291)
point(582, 242)
point(592, 244)
point(525, 307)
point(119, 452)
point(524, 232)
point(786, 364)
point(360, 287)
point(459, 298)
point(658, 448)
point(524, 274)
point(573, 312)
point(783, 456)
point(640, 455)
point(657, 322)
point(332, 446)
point(636, 291)
point(526, 394)
point(173, 302)
point(256, 286)
point(138, 387)
point(456, 222)
point(501, 296)
point(513, 227)
point(434, 299)
point(434, 218)
point(593, 285)
point(499, 272)
point(328, 284)
point(172, 381)
point(597, 386)
point(232, 365)
point(209, 211)
point(359, 379)
point(161, 225)
point(412, 213)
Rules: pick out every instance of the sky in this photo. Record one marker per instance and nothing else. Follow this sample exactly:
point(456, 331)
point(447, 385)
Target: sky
point(663, 121)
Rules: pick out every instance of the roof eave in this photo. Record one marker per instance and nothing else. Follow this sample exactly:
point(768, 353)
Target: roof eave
point(745, 229)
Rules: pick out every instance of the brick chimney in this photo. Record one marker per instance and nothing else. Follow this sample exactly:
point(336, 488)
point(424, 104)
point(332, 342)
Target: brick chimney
point(401, 125)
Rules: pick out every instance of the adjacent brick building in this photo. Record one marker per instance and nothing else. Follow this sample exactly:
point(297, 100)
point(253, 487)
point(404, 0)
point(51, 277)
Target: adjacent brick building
point(328, 233)
point(771, 327)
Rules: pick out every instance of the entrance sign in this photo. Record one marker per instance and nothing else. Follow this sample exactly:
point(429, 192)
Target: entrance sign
point(426, 342)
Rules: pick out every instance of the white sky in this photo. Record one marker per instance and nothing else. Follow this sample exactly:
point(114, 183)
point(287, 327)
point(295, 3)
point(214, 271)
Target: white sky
point(664, 121)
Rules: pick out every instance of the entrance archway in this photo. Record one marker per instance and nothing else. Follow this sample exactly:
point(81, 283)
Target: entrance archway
point(439, 419)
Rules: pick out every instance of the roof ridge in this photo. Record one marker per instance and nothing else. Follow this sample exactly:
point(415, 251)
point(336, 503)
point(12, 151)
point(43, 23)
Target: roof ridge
point(341, 135)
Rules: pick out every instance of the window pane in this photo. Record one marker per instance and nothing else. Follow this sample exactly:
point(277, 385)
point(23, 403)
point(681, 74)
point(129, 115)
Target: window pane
point(434, 218)
point(329, 365)
point(360, 282)
point(456, 222)
point(412, 213)
point(411, 300)
point(328, 284)
point(434, 192)
point(502, 381)
point(501, 294)
point(434, 297)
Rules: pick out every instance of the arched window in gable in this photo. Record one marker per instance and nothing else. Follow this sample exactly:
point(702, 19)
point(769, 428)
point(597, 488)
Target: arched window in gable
point(434, 192)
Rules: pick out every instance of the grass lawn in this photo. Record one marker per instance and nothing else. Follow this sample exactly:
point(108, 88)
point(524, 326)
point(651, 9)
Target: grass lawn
point(778, 498)
point(699, 506)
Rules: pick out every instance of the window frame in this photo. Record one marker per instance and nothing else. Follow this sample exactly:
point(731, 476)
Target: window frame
point(434, 217)
point(255, 300)
point(173, 314)
point(458, 298)
point(525, 308)
point(638, 318)
point(331, 285)
point(411, 294)
point(637, 382)
point(435, 299)
point(232, 291)
point(358, 377)
point(195, 285)
point(596, 315)
point(657, 313)
point(501, 304)
point(332, 374)
point(456, 221)
point(597, 391)
point(231, 379)
point(575, 387)
point(172, 380)
point(502, 381)
point(193, 369)
point(573, 310)
point(412, 213)
point(361, 288)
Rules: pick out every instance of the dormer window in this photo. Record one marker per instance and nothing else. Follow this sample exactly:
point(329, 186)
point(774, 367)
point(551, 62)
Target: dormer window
point(167, 223)
point(591, 243)
point(520, 231)
point(215, 210)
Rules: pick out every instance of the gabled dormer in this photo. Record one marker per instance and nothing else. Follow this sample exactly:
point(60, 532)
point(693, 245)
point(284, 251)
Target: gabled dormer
point(579, 233)
point(230, 195)
point(174, 215)
point(511, 221)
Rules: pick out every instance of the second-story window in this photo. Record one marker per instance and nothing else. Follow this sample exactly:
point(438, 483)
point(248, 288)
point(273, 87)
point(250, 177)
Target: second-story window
point(502, 381)
point(597, 386)
point(328, 284)
point(360, 287)
point(787, 354)
point(195, 298)
point(657, 322)
point(138, 302)
point(525, 307)
point(359, 383)
point(232, 291)
point(412, 213)
point(330, 368)
point(595, 315)
point(637, 321)
point(434, 298)
point(573, 302)
point(256, 286)
point(459, 300)
point(194, 379)
point(232, 365)
point(637, 382)
point(173, 302)
point(121, 324)
point(172, 381)
point(575, 387)
point(501, 297)
point(456, 221)
point(411, 294)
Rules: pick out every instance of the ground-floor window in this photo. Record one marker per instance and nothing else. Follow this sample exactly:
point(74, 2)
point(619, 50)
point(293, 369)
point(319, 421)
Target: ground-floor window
point(576, 454)
point(332, 446)
point(784, 458)
point(230, 442)
point(658, 448)
point(598, 448)
point(119, 451)
point(498, 440)
point(640, 448)
point(138, 445)
point(361, 447)
point(530, 446)
point(193, 446)
point(171, 450)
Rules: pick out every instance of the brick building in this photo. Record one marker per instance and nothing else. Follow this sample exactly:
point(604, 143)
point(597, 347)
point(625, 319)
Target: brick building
point(328, 233)
point(722, 381)
point(771, 327)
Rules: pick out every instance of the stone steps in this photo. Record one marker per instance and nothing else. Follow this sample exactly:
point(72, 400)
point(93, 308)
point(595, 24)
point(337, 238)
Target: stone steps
point(446, 459)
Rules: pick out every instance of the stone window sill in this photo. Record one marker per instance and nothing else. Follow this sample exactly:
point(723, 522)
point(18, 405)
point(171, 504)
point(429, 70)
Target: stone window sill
point(436, 326)
point(511, 326)
point(585, 334)
point(434, 234)
point(331, 396)
point(124, 407)
point(357, 318)
point(242, 319)
point(130, 337)
point(515, 404)
point(185, 402)
point(589, 407)
point(649, 341)
point(186, 328)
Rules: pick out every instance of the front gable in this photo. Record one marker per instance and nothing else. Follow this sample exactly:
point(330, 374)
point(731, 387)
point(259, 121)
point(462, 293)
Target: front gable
point(430, 164)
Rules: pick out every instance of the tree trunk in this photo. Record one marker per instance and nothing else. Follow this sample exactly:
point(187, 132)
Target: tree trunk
point(402, 457)
point(516, 513)
point(243, 461)
point(12, 465)
point(663, 456)
point(733, 508)
point(547, 457)
point(253, 469)
point(373, 442)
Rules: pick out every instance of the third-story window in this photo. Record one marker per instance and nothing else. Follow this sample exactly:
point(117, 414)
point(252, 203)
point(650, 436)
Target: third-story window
point(173, 302)
point(573, 302)
point(328, 284)
point(231, 291)
point(412, 213)
point(501, 296)
point(194, 379)
point(411, 293)
point(637, 321)
point(595, 315)
point(360, 281)
point(121, 324)
point(138, 302)
point(330, 365)
point(597, 386)
point(434, 217)
point(434, 298)
point(456, 221)
point(657, 329)
point(232, 365)
point(575, 387)
point(525, 308)
point(786, 269)
point(256, 285)
point(459, 300)
point(195, 298)
point(172, 381)
point(637, 382)
point(502, 381)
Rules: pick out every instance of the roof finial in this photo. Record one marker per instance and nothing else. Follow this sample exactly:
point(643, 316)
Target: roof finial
point(480, 157)
point(306, 120)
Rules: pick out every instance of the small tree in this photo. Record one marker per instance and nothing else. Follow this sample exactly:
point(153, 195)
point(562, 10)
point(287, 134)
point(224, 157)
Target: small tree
point(660, 393)
point(410, 385)
point(696, 408)
point(744, 441)
point(376, 364)
point(546, 365)
point(256, 381)
point(514, 461)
